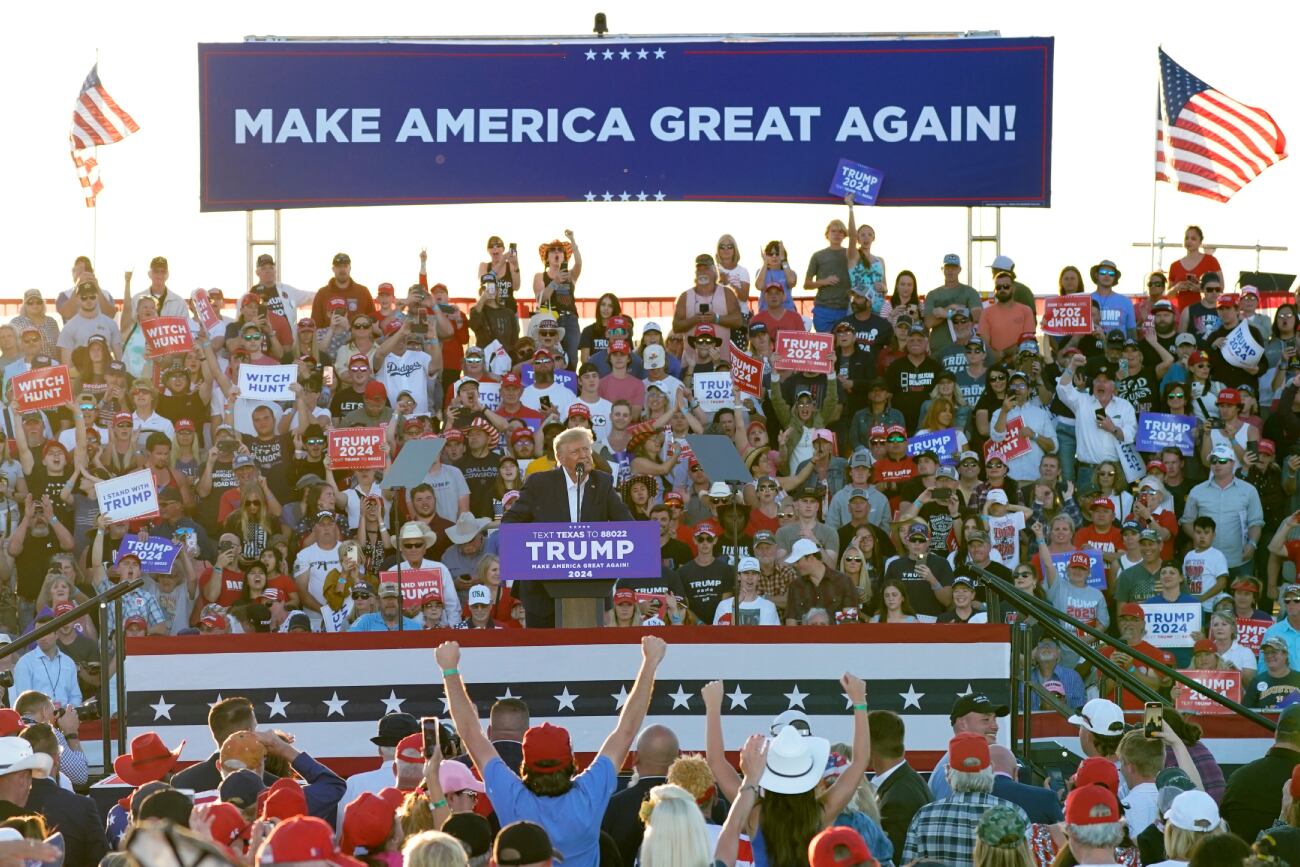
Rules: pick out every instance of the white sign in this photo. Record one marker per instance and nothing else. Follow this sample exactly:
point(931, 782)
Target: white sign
point(128, 497)
point(489, 393)
point(243, 414)
point(1240, 348)
point(267, 381)
point(1171, 624)
point(713, 391)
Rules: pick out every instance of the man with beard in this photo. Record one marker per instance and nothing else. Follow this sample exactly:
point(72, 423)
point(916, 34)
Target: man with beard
point(356, 297)
point(926, 577)
point(1006, 319)
point(873, 330)
point(282, 300)
point(1137, 382)
point(424, 505)
point(545, 392)
point(1220, 370)
point(911, 377)
point(1165, 321)
point(706, 342)
point(953, 356)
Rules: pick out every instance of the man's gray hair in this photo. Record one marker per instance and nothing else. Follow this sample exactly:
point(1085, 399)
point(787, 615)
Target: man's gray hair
point(966, 781)
point(571, 436)
point(1104, 836)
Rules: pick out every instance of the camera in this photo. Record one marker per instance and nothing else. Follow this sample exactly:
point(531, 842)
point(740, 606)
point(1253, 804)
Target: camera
point(1214, 423)
point(226, 447)
point(421, 323)
point(88, 712)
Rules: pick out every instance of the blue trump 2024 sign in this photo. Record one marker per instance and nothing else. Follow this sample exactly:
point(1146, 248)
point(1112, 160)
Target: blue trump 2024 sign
point(948, 122)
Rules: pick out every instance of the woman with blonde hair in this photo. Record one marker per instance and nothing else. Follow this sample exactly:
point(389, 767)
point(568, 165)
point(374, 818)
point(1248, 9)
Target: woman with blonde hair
point(674, 830)
point(434, 849)
point(1191, 818)
point(1000, 839)
point(731, 273)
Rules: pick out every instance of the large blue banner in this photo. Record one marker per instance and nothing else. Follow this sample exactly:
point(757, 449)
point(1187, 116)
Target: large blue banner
point(306, 124)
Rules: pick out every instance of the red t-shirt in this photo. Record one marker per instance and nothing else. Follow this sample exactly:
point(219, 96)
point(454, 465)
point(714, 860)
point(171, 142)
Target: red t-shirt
point(232, 586)
point(1165, 518)
point(788, 320)
point(356, 296)
point(1108, 542)
point(1128, 701)
point(759, 521)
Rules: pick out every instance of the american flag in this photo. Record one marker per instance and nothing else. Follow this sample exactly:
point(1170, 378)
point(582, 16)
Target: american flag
point(96, 120)
point(1206, 142)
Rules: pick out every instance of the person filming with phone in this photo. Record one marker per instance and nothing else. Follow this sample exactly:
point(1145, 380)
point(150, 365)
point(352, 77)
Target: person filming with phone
point(1104, 422)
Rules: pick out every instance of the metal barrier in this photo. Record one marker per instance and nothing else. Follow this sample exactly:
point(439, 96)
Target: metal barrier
point(112, 595)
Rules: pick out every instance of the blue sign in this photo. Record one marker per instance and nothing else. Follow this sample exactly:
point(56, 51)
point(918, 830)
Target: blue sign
point(942, 442)
point(1158, 430)
point(566, 378)
point(156, 554)
point(1096, 574)
point(862, 181)
point(564, 552)
point(317, 124)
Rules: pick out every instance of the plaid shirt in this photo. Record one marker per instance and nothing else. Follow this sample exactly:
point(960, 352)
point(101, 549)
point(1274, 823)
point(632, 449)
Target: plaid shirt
point(776, 583)
point(139, 602)
point(944, 831)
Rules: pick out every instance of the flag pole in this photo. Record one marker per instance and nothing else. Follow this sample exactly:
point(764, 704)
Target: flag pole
point(1155, 176)
point(94, 217)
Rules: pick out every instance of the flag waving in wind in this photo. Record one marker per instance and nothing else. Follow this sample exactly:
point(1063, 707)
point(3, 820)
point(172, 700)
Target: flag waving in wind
point(1208, 143)
point(96, 120)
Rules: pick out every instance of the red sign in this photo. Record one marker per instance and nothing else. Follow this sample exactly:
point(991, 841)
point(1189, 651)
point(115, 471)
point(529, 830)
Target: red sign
point(43, 388)
point(164, 335)
point(746, 373)
point(1016, 443)
point(1251, 633)
point(1225, 683)
point(208, 316)
point(804, 351)
point(357, 448)
point(416, 584)
point(1068, 314)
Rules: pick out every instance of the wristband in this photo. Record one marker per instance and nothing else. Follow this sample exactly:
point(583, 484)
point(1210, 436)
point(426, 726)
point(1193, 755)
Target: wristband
point(441, 802)
point(862, 707)
point(448, 672)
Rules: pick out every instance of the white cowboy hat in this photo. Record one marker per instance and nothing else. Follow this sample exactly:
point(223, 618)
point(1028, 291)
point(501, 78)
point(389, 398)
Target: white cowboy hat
point(16, 755)
point(466, 528)
point(795, 762)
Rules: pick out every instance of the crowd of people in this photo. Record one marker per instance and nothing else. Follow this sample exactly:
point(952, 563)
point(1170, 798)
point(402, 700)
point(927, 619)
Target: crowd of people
point(843, 518)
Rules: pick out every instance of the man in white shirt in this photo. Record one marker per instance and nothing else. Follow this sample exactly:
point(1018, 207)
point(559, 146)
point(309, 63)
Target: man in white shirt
point(1140, 759)
point(450, 491)
point(145, 418)
point(317, 560)
point(89, 322)
point(281, 298)
point(656, 373)
point(598, 407)
point(48, 670)
point(1027, 422)
point(545, 388)
point(415, 539)
point(1103, 422)
point(408, 370)
point(392, 728)
point(89, 410)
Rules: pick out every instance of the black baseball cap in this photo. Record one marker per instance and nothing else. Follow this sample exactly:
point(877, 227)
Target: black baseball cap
point(976, 702)
point(241, 788)
point(522, 843)
point(472, 830)
point(393, 727)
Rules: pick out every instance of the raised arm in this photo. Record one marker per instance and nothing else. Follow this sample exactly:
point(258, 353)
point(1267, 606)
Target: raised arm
point(753, 759)
point(618, 743)
point(463, 713)
point(715, 750)
point(846, 786)
point(576, 270)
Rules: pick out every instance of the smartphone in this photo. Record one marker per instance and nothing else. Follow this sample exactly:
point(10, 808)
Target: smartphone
point(1101, 414)
point(1252, 447)
point(941, 495)
point(350, 557)
point(514, 248)
point(328, 376)
point(1056, 782)
point(431, 726)
point(421, 324)
point(1153, 719)
point(545, 402)
point(706, 308)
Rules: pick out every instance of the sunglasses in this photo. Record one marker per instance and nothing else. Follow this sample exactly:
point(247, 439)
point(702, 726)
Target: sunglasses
point(798, 725)
point(315, 442)
point(86, 406)
point(251, 335)
point(360, 325)
point(1177, 394)
point(895, 439)
point(412, 544)
point(852, 559)
point(997, 377)
point(787, 516)
point(877, 440)
point(726, 246)
point(767, 487)
point(1109, 272)
point(468, 793)
point(1220, 460)
point(702, 536)
point(361, 594)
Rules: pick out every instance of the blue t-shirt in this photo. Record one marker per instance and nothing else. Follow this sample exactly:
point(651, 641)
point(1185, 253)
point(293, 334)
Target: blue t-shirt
point(374, 622)
point(572, 820)
point(1116, 312)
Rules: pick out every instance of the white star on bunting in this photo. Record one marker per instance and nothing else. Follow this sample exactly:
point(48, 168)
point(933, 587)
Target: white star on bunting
point(591, 55)
point(848, 702)
point(335, 704)
point(212, 704)
point(738, 698)
point(659, 196)
point(446, 704)
point(642, 54)
point(911, 698)
point(508, 694)
point(607, 54)
point(624, 196)
point(277, 707)
point(566, 699)
point(620, 697)
point(659, 54)
point(968, 691)
point(392, 704)
point(681, 698)
point(591, 197)
point(625, 54)
point(796, 698)
point(641, 196)
point(162, 710)
point(609, 197)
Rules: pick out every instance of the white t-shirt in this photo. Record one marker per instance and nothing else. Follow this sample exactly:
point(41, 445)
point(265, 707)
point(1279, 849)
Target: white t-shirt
point(352, 501)
point(760, 612)
point(407, 372)
point(1201, 568)
point(317, 563)
point(668, 385)
point(560, 397)
point(155, 422)
point(1004, 537)
point(449, 486)
point(600, 410)
point(68, 438)
point(1240, 657)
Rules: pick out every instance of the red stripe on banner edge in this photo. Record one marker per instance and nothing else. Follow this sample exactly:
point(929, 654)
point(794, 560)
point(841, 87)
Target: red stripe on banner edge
point(879, 633)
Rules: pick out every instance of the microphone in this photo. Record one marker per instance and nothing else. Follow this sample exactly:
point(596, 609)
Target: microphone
point(579, 470)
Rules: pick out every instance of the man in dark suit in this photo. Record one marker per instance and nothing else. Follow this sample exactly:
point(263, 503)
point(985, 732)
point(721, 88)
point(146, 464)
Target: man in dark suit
point(552, 497)
point(224, 719)
point(1039, 804)
point(899, 788)
point(76, 817)
point(656, 750)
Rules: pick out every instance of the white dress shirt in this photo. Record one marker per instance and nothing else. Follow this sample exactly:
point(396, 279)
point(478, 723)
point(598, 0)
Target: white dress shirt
point(1095, 444)
point(55, 676)
point(571, 488)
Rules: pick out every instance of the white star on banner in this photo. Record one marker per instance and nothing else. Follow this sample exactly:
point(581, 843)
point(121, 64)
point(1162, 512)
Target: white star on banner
point(566, 699)
point(620, 697)
point(212, 704)
point(681, 698)
point(625, 54)
point(968, 691)
point(642, 54)
point(911, 698)
point(738, 698)
point(335, 704)
point(591, 197)
point(607, 54)
point(162, 709)
point(591, 55)
point(508, 694)
point(446, 703)
point(659, 54)
point(659, 196)
point(609, 197)
point(277, 707)
point(641, 196)
point(848, 702)
point(624, 196)
point(796, 698)
point(392, 704)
